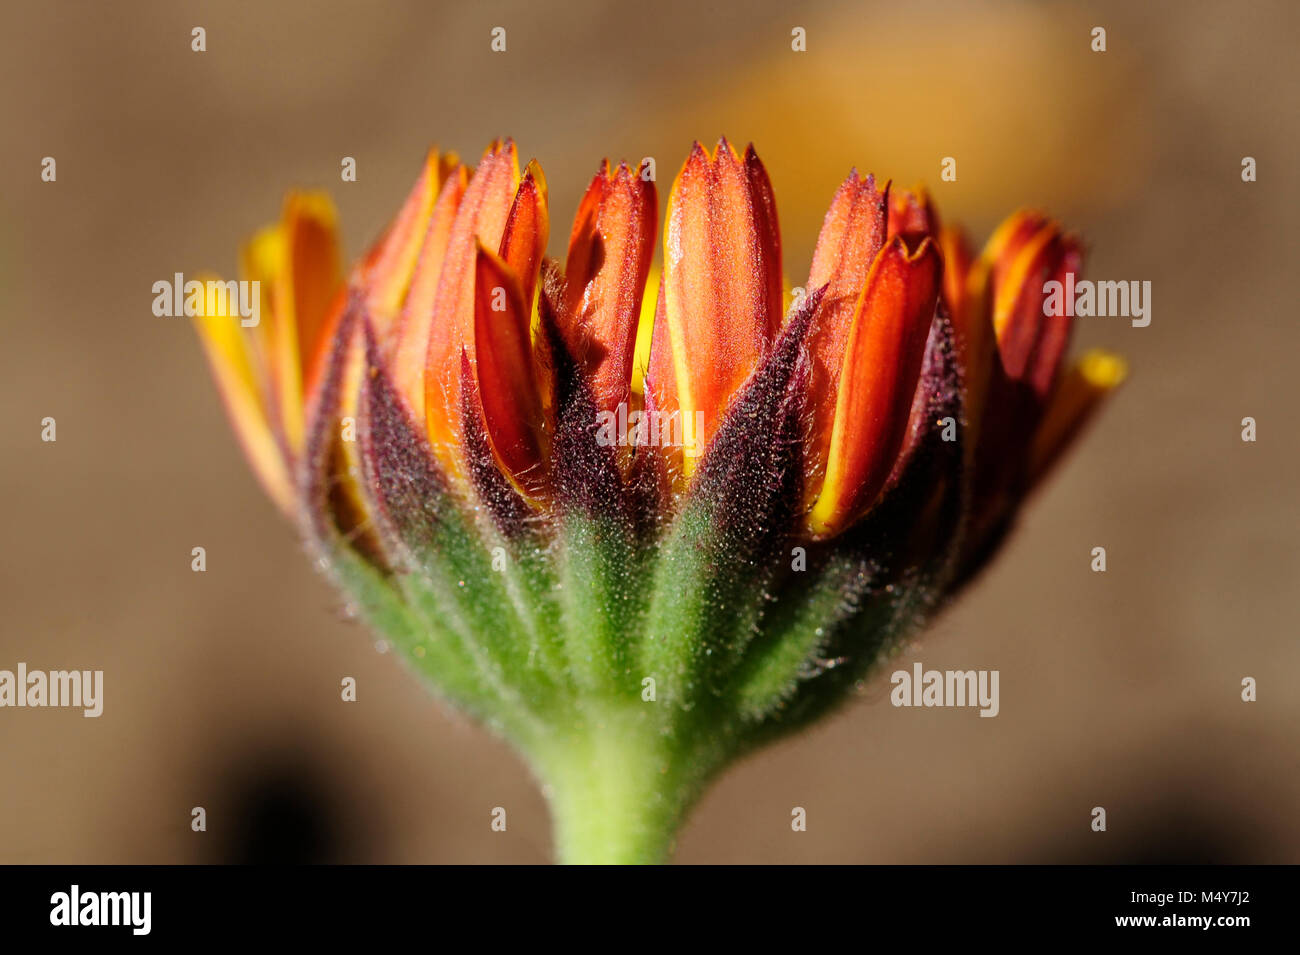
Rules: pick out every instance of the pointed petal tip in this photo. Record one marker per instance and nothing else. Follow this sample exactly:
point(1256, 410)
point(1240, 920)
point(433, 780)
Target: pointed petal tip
point(500, 150)
point(725, 152)
point(533, 174)
point(855, 183)
point(310, 204)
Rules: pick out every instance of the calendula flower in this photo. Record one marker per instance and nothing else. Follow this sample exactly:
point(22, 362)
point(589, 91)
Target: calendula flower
point(637, 569)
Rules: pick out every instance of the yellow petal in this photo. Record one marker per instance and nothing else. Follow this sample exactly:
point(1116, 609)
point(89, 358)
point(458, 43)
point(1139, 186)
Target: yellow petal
point(231, 354)
point(645, 329)
point(1076, 397)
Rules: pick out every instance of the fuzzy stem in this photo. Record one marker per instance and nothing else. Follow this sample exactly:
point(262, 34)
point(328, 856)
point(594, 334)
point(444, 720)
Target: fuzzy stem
point(617, 793)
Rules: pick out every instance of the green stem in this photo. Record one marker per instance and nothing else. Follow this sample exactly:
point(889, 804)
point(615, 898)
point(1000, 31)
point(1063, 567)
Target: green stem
point(617, 792)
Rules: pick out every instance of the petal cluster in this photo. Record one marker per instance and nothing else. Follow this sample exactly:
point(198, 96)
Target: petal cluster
point(1022, 407)
point(505, 367)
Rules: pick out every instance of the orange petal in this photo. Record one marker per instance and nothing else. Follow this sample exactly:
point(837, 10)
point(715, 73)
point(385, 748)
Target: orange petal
point(301, 263)
point(610, 249)
point(882, 365)
point(315, 273)
point(1004, 245)
point(912, 215)
point(967, 295)
point(527, 230)
point(957, 259)
point(481, 218)
point(1054, 331)
point(850, 240)
point(1029, 342)
point(511, 403)
point(1071, 405)
point(235, 367)
point(409, 341)
point(389, 270)
point(721, 298)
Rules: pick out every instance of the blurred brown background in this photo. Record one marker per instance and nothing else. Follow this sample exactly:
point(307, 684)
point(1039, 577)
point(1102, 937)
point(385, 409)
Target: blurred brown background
point(221, 689)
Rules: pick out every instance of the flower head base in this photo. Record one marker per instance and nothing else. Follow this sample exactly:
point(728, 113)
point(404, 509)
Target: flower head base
point(791, 491)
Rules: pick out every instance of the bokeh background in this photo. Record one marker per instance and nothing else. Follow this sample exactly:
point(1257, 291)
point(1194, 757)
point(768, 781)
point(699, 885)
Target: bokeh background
point(222, 689)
